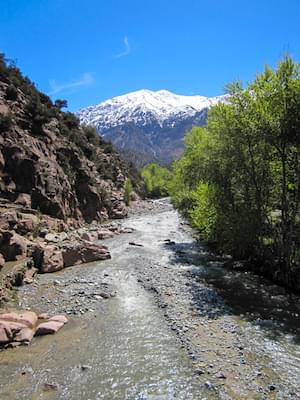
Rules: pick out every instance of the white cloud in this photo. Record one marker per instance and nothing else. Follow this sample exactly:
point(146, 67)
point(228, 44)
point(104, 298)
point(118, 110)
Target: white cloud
point(127, 49)
point(86, 79)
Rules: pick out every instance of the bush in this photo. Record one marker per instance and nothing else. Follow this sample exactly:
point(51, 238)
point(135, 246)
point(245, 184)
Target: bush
point(128, 190)
point(5, 122)
point(11, 93)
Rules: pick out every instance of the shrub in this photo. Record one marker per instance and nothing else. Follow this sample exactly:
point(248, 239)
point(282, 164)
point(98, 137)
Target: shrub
point(5, 122)
point(128, 190)
point(11, 93)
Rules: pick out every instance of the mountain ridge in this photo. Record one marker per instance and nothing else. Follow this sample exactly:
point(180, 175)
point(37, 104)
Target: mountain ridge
point(149, 124)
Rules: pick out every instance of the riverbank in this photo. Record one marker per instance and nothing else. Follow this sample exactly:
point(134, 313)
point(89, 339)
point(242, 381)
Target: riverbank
point(192, 334)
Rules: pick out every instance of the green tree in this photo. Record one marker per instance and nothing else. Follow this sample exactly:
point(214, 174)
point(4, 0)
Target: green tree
point(238, 180)
point(157, 180)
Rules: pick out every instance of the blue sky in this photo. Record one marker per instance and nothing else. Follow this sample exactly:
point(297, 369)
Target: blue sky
point(86, 51)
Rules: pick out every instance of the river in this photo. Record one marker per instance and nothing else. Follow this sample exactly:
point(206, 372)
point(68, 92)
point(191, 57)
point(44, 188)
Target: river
point(179, 327)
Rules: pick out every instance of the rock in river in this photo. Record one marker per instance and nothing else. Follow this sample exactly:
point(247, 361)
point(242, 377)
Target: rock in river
point(49, 327)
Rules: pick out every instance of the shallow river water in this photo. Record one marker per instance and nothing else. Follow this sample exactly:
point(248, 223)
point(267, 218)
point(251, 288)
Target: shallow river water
point(122, 348)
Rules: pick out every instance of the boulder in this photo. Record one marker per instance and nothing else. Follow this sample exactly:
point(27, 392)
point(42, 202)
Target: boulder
point(105, 234)
point(5, 332)
point(89, 236)
point(25, 336)
point(49, 327)
point(27, 223)
point(83, 252)
point(24, 199)
point(59, 318)
point(48, 258)
point(8, 220)
point(3, 336)
point(13, 247)
point(93, 252)
point(27, 319)
point(56, 237)
point(29, 275)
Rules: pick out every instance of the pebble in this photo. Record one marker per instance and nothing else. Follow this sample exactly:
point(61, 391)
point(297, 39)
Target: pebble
point(209, 385)
point(85, 367)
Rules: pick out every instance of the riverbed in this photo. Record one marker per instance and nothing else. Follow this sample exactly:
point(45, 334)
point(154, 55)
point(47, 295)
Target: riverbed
point(174, 325)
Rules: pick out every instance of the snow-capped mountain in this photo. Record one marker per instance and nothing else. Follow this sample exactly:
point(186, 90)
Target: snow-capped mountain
point(148, 126)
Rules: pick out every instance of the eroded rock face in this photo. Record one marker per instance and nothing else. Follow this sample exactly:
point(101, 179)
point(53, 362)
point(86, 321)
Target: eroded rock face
point(50, 173)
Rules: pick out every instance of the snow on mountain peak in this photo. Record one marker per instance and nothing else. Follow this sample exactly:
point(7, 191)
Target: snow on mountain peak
point(143, 107)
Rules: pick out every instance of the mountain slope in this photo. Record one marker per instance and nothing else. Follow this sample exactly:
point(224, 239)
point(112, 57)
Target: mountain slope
point(148, 126)
point(49, 162)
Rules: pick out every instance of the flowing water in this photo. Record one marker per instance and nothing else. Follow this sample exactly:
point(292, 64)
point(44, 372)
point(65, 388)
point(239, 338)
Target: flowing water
point(122, 348)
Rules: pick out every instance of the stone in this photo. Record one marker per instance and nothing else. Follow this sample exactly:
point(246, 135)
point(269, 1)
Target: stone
point(43, 316)
point(135, 244)
point(2, 261)
point(29, 275)
point(85, 367)
point(50, 386)
point(51, 237)
point(5, 333)
point(94, 252)
point(12, 345)
point(220, 375)
point(25, 335)
point(105, 234)
point(59, 318)
point(126, 230)
point(8, 220)
point(48, 258)
point(27, 318)
point(24, 199)
point(13, 247)
point(50, 327)
point(79, 253)
point(27, 223)
point(89, 236)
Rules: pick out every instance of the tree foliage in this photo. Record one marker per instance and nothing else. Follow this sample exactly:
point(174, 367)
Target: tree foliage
point(239, 178)
point(157, 180)
point(128, 188)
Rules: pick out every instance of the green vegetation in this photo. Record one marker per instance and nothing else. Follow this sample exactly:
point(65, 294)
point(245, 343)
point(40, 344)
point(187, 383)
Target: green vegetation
point(238, 181)
point(157, 180)
point(128, 188)
point(5, 122)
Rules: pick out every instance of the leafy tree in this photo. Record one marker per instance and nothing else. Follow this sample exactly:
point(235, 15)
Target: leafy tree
point(156, 180)
point(238, 180)
point(60, 104)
